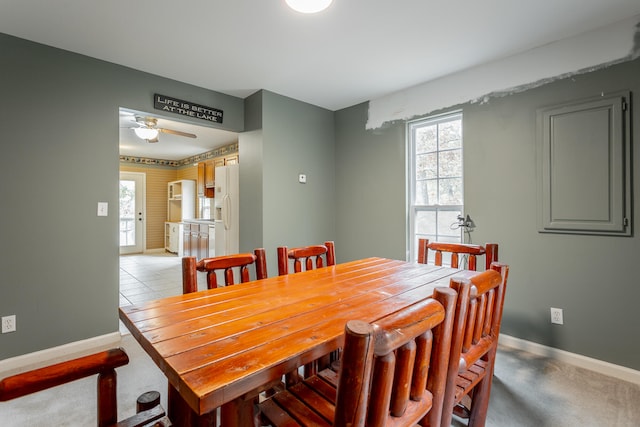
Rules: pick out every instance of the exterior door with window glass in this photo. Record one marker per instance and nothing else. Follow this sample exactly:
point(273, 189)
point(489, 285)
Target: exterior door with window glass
point(132, 223)
point(435, 180)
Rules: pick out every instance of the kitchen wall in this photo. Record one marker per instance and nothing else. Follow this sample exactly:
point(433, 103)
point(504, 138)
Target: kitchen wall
point(591, 277)
point(157, 178)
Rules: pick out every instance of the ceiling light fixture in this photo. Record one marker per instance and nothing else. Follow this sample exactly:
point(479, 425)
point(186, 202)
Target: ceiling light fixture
point(146, 133)
point(308, 6)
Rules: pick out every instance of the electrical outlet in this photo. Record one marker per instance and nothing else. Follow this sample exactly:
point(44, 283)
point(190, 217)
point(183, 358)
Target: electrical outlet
point(556, 316)
point(8, 324)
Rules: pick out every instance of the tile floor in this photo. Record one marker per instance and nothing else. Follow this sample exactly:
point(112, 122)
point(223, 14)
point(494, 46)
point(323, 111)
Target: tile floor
point(149, 276)
point(144, 277)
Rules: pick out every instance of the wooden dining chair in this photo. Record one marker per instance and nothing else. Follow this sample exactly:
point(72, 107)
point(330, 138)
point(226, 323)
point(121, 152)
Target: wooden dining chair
point(457, 251)
point(308, 257)
point(392, 372)
point(225, 263)
point(102, 364)
point(474, 344)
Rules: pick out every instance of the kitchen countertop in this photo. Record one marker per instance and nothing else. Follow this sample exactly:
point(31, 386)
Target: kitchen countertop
point(201, 221)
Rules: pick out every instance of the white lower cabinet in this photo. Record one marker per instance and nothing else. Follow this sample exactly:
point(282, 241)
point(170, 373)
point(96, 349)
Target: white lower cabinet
point(172, 237)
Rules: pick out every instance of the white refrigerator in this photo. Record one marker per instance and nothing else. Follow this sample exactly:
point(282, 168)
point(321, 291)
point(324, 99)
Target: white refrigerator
point(226, 205)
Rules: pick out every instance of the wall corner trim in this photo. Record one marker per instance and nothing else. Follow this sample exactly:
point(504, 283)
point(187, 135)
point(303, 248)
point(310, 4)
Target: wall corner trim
point(605, 368)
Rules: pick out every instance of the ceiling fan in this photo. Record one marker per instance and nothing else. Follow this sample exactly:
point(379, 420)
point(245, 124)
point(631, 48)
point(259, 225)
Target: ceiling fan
point(147, 129)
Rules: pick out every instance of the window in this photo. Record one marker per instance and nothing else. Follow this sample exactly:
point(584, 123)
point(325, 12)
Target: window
point(435, 179)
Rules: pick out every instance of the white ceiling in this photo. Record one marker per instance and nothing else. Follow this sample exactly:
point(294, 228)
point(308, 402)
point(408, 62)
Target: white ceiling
point(356, 50)
point(169, 146)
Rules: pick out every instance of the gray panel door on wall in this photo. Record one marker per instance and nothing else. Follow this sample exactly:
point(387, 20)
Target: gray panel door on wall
point(584, 166)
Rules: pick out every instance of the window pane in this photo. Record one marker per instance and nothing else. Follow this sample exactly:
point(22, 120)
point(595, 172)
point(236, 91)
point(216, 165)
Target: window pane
point(448, 226)
point(127, 212)
point(436, 179)
point(426, 139)
point(427, 166)
point(450, 134)
point(450, 163)
point(426, 192)
point(426, 222)
point(450, 191)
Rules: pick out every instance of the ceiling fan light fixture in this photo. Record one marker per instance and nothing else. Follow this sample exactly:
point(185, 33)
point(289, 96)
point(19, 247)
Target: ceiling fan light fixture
point(308, 6)
point(146, 133)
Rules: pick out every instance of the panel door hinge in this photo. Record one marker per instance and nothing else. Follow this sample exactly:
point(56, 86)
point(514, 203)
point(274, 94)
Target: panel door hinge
point(625, 222)
point(624, 105)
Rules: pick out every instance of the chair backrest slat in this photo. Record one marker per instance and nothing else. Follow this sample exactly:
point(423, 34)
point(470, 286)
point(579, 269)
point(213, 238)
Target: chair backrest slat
point(472, 252)
point(307, 256)
point(410, 360)
point(189, 275)
point(392, 372)
point(226, 264)
point(477, 326)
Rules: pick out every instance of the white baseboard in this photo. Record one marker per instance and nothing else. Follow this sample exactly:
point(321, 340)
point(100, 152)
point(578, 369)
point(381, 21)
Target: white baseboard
point(155, 251)
point(103, 342)
point(53, 355)
point(605, 368)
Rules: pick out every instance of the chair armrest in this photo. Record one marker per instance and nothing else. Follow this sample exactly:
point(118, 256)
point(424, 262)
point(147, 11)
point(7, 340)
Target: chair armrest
point(61, 373)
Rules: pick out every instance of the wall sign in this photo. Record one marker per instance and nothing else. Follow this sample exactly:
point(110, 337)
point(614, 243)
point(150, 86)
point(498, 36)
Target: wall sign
point(185, 108)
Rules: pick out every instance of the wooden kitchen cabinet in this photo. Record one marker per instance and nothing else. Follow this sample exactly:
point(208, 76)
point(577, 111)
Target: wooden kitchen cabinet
point(196, 240)
point(200, 180)
point(203, 241)
point(231, 160)
point(205, 176)
point(186, 239)
point(209, 174)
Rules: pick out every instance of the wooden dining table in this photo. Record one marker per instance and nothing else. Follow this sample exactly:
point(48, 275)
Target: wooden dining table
point(220, 347)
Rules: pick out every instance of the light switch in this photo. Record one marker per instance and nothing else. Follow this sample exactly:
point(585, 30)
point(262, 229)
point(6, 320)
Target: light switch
point(302, 178)
point(103, 208)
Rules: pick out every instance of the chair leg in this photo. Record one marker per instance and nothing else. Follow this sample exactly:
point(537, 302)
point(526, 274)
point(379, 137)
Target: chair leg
point(310, 369)
point(481, 393)
point(463, 409)
point(292, 378)
point(107, 398)
point(147, 400)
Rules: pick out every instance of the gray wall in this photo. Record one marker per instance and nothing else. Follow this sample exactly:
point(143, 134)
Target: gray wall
point(371, 196)
point(296, 137)
point(250, 151)
point(59, 122)
point(59, 269)
point(592, 278)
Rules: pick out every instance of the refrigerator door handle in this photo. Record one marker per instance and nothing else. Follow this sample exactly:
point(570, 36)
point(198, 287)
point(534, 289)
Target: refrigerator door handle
point(226, 212)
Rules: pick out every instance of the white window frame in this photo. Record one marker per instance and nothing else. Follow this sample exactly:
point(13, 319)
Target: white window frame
point(413, 209)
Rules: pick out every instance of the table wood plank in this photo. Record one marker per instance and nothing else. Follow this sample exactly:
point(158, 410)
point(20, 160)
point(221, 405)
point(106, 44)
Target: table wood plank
point(217, 345)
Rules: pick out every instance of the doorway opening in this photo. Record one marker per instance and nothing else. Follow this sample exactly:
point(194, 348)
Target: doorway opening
point(147, 270)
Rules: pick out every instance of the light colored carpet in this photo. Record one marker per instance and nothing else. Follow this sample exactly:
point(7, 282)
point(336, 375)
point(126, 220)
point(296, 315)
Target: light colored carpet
point(74, 404)
point(528, 390)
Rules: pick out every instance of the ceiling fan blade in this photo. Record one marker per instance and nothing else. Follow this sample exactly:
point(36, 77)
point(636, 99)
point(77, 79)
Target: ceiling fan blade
point(177, 132)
